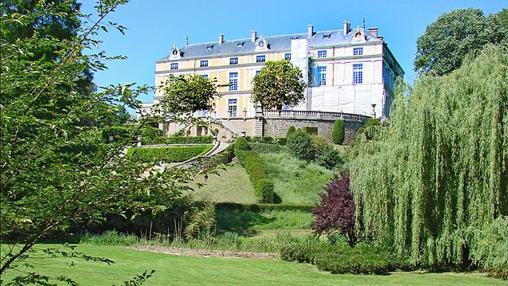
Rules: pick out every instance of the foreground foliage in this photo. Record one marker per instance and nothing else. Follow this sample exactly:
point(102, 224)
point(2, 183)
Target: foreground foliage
point(438, 172)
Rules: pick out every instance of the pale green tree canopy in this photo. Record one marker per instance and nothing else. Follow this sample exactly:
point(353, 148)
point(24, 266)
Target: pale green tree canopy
point(446, 42)
point(278, 83)
point(189, 93)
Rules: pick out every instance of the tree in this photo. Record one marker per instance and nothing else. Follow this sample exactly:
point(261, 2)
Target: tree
point(55, 170)
point(189, 93)
point(338, 131)
point(278, 83)
point(437, 173)
point(335, 212)
point(445, 43)
point(299, 143)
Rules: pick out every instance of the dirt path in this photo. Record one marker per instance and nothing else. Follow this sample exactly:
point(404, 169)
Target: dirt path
point(204, 252)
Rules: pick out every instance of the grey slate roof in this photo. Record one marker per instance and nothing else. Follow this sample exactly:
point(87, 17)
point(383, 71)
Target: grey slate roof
point(275, 43)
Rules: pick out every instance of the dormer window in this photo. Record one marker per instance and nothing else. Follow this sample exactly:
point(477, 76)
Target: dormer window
point(239, 45)
point(209, 47)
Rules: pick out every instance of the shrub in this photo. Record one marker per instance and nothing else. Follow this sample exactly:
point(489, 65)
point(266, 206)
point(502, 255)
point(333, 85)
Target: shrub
point(300, 144)
point(362, 259)
point(263, 185)
point(167, 154)
point(369, 128)
point(267, 148)
point(241, 144)
point(208, 139)
point(338, 132)
point(150, 134)
point(280, 140)
point(264, 191)
point(336, 210)
point(329, 158)
point(120, 133)
point(291, 130)
point(311, 130)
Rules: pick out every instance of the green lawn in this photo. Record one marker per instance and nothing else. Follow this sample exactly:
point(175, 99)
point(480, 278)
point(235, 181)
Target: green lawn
point(230, 185)
point(188, 270)
point(295, 181)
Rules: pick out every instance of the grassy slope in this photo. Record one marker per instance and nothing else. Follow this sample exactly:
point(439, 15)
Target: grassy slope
point(186, 270)
point(296, 181)
point(230, 185)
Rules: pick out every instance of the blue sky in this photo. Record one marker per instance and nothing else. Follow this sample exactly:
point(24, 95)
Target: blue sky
point(154, 25)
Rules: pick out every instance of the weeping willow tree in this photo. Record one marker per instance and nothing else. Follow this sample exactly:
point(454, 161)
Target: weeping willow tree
point(438, 170)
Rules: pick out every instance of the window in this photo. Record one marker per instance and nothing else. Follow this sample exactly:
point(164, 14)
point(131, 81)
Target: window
point(357, 51)
point(321, 54)
point(260, 59)
point(233, 81)
point(287, 56)
point(321, 76)
point(232, 107)
point(204, 76)
point(357, 73)
point(233, 61)
point(257, 72)
point(173, 66)
point(203, 63)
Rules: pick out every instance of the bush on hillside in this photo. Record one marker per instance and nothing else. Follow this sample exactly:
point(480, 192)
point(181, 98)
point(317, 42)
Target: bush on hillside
point(208, 139)
point(311, 130)
point(167, 154)
point(267, 148)
point(280, 140)
point(150, 134)
point(264, 191)
point(338, 132)
point(241, 144)
point(291, 130)
point(300, 144)
point(369, 128)
point(329, 158)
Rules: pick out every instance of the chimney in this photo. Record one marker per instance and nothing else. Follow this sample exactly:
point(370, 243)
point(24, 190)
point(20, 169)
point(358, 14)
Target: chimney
point(310, 31)
point(373, 31)
point(347, 27)
point(221, 39)
point(253, 36)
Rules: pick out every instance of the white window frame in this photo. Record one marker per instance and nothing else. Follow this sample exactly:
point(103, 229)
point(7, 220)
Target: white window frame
point(358, 51)
point(231, 61)
point(201, 63)
point(321, 54)
point(232, 112)
point(173, 66)
point(357, 74)
point(259, 57)
point(287, 56)
point(233, 81)
point(321, 75)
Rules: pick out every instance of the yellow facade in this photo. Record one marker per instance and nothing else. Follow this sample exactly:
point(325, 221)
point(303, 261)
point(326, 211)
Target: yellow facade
point(219, 70)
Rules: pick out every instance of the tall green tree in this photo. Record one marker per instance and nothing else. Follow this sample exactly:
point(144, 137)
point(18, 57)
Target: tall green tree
point(54, 169)
point(278, 83)
point(446, 42)
point(437, 173)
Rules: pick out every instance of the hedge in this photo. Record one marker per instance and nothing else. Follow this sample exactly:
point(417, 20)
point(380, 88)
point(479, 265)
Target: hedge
point(291, 130)
point(262, 207)
point(338, 131)
point(267, 148)
point(340, 258)
point(167, 154)
point(263, 185)
point(208, 139)
point(311, 130)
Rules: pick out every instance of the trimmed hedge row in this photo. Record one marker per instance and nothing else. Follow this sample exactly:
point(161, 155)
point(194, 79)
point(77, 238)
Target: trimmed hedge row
point(338, 132)
point(340, 258)
point(167, 154)
point(250, 160)
point(262, 207)
point(208, 139)
point(263, 185)
point(267, 147)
